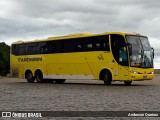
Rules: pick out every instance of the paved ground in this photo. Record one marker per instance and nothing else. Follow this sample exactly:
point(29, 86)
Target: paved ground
point(18, 95)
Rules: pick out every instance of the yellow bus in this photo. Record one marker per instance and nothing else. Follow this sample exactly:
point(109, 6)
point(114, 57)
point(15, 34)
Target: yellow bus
point(108, 56)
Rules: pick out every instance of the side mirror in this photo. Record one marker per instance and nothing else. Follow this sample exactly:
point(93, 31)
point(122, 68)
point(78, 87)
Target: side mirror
point(152, 52)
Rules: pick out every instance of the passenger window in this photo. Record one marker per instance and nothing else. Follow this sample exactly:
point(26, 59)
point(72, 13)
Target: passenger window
point(89, 47)
point(31, 48)
point(80, 45)
point(102, 43)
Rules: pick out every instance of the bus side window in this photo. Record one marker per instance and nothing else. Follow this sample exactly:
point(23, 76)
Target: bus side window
point(98, 47)
point(41, 47)
point(89, 44)
point(14, 49)
point(80, 45)
point(102, 43)
point(21, 49)
point(50, 47)
point(45, 47)
point(45, 50)
point(70, 45)
point(89, 47)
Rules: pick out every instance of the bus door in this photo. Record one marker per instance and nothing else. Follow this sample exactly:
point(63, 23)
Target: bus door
point(119, 52)
point(123, 63)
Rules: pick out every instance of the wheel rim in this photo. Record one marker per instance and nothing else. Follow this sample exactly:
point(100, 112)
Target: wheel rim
point(29, 77)
point(107, 78)
point(39, 77)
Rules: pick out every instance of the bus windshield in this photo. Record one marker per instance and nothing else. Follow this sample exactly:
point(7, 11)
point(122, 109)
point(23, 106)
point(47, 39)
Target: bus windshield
point(141, 52)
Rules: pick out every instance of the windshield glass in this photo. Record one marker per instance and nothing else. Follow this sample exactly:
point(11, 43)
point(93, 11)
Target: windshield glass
point(141, 54)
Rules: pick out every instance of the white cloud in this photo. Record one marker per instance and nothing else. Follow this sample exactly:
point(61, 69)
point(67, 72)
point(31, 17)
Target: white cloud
point(6, 7)
point(23, 19)
point(34, 19)
point(155, 43)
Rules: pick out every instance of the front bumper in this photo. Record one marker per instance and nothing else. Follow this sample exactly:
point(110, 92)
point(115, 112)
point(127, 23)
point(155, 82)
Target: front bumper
point(138, 77)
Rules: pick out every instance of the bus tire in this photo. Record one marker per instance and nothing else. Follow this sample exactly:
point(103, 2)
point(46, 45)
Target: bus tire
point(127, 83)
point(107, 78)
point(39, 76)
point(29, 77)
point(60, 81)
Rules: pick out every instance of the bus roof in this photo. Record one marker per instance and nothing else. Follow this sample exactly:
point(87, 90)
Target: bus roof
point(78, 35)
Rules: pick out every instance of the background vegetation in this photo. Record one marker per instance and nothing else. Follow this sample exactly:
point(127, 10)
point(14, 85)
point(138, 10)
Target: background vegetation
point(4, 58)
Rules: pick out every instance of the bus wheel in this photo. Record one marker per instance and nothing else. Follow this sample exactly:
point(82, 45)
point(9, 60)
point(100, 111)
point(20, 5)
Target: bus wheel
point(127, 83)
point(60, 81)
point(39, 76)
point(107, 78)
point(29, 77)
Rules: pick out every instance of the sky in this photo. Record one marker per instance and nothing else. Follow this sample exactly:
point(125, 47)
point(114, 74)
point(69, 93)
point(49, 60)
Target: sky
point(39, 19)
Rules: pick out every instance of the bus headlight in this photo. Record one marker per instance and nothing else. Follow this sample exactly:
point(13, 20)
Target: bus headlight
point(134, 72)
point(151, 73)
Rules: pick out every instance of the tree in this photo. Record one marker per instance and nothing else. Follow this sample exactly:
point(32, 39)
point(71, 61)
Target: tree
point(4, 58)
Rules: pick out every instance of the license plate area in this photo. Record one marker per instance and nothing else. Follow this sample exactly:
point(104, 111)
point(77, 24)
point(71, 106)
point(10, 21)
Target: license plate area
point(145, 76)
